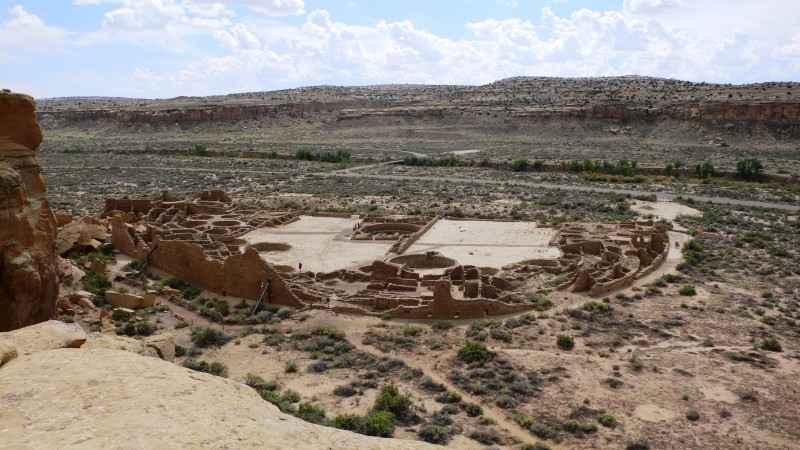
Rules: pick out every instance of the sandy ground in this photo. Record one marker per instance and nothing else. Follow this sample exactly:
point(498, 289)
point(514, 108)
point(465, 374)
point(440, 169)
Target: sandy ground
point(665, 210)
point(322, 244)
point(487, 244)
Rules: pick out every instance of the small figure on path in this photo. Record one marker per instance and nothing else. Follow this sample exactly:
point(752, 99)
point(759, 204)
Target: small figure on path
point(299, 266)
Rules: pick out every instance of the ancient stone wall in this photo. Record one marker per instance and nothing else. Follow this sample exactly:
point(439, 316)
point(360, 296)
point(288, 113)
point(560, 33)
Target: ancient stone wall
point(244, 275)
point(29, 275)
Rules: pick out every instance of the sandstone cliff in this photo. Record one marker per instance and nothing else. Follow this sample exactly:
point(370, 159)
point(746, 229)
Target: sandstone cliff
point(28, 227)
point(53, 396)
point(516, 101)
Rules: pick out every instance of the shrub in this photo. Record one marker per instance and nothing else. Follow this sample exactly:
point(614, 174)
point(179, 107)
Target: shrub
point(215, 368)
point(273, 397)
point(291, 396)
point(536, 446)
point(290, 366)
point(589, 428)
point(472, 409)
point(485, 437)
point(208, 337)
point(97, 283)
point(310, 412)
point(145, 328)
point(692, 414)
point(607, 420)
point(519, 165)
point(474, 353)
point(258, 383)
point(442, 325)
point(319, 366)
point(350, 422)
point(688, 290)
point(772, 345)
point(543, 431)
point(380, 423)
point(434, 434)
point(449, 397)
point(638, 444)
point(389, 399)
point(345, 390)
point(201, 150)
point(572, 426)
point(565, 342)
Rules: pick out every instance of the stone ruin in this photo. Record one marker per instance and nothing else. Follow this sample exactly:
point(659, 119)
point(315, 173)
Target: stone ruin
point(200, 241)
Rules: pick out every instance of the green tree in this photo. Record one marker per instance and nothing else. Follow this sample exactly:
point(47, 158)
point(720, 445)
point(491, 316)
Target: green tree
point(705, 170)
point(749, 169)
point(519, 165)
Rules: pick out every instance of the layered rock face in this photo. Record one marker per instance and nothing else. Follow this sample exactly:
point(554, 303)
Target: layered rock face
point(28, 228)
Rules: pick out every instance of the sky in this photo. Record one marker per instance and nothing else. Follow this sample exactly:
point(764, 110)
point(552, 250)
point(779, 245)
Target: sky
point(169, 48)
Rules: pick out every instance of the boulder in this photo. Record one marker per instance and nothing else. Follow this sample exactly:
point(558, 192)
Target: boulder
point(45, 336)
point(132, 301)
point(163, 345)
point(8, 351)
point(29, 274)
point(68, 269)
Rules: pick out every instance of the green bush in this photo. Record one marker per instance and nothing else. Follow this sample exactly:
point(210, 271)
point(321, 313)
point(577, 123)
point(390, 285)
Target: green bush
point(208, 337)
point(379, 423)
point(442, 325)
point(772, 345)
point(215, 368)
point(519, 165)
point(434, 434)
point(638, 444)
point(692, 414)
point(687, 290)
point(389, 399)
point(145, 328)
point(472, 409)
point(485, 437)
point(97, 283)
point(565, 342)
point(474, 353)
point(310, 412)
point(291, 396)
point(607, 420)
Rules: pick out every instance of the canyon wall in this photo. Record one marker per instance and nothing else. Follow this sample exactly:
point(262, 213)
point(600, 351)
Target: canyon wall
point(29, 274)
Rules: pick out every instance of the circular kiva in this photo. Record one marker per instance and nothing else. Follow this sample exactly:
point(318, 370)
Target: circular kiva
point(271, 246)
point(402, 228)
point(424, 261)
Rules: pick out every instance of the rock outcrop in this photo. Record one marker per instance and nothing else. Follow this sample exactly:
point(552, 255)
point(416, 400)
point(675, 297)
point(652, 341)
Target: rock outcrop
point(99, 396)
point(29, 272)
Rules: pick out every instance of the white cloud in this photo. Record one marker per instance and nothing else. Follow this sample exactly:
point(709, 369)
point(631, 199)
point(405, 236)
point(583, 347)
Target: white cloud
point(268, 7)
point(22, 19)
point(238, 37)
point(734, 51)
point(27, 32)
point(139, 15)
point(650, 7)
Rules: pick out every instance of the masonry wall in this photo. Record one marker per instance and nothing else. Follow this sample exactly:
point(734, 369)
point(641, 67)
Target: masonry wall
point(243, 275)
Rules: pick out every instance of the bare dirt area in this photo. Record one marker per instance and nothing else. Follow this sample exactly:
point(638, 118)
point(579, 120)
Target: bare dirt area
point(487, 243)
point(320, 244)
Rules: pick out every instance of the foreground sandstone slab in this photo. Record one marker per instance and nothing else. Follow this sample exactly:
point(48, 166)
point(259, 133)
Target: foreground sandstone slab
point(105, 398)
